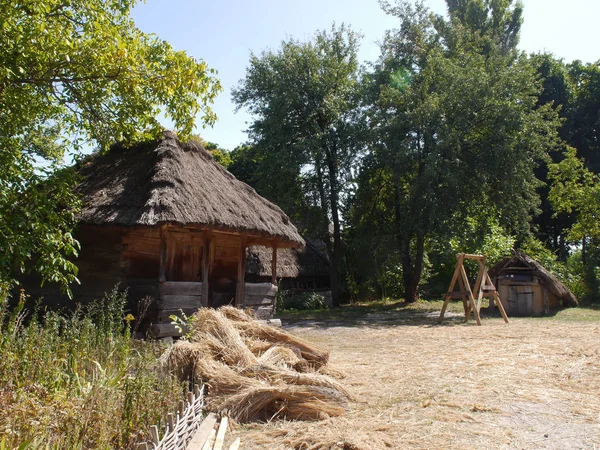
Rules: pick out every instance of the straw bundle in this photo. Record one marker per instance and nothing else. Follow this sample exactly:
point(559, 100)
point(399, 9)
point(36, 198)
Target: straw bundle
point(252, 372)
point(290, 402)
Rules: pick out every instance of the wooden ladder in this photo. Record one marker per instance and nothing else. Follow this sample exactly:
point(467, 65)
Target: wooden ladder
point(484, 288)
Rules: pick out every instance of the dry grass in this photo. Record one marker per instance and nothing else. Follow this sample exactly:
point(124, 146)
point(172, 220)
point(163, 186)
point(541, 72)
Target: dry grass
point(531, 384)
point(250, 381)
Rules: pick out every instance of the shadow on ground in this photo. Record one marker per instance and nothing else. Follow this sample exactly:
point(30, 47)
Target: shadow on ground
point(383, 315)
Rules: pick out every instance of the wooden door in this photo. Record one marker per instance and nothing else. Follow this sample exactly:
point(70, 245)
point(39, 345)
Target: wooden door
point(520, 300)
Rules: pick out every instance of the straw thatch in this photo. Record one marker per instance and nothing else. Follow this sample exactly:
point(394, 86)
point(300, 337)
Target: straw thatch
point(253, 374)
point(311, 261)
point(554, 285)
point(168, 181)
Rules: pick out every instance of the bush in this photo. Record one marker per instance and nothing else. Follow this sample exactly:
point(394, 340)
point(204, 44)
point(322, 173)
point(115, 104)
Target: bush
point(303, 300)
point(78, 380)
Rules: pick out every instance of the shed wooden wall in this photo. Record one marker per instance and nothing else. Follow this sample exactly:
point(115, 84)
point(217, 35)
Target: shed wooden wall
point(537, 287)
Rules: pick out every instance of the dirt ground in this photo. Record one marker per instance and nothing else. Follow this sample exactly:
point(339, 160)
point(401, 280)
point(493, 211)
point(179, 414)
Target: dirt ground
point(531, 384)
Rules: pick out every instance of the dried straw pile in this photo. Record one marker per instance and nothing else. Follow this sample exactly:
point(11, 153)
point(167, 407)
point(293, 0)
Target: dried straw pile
point(255, 371)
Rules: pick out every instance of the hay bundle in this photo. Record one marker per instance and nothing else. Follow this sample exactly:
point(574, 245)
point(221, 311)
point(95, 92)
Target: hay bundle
point(254, 372)
point(289, 402)
point(310, 352)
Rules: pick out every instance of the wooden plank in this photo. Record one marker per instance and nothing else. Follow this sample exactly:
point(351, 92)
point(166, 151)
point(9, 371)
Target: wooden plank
point(255, 300)
point(159, 330)
point(181, 288)
point(162, 271)
point(180, 301)
point(203, 432)
point(235, 445)
point(154, 434)
point(220, 439)
point(546, 303)
point(261, 289)
point(274, 266)
point(476, 257)
point(208, 445)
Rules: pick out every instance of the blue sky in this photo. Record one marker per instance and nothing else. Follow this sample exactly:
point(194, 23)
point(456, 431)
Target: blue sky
point(224, 32)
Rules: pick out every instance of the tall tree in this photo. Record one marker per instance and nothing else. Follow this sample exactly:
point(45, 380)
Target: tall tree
point(305, 99)
point(454, 108)
point(74, 72)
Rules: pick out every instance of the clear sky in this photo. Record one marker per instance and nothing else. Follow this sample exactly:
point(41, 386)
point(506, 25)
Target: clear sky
point(224, 32)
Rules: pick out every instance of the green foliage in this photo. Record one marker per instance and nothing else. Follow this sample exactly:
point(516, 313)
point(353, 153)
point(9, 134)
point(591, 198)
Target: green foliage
point(575, 189)
point(307, 133)
point(73, 72)
point(302, 301)
point(78, 380)
point(460, 138)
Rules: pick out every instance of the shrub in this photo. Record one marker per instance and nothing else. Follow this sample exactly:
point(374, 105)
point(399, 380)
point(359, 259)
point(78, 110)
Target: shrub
point(303, 300)
point(78, 380)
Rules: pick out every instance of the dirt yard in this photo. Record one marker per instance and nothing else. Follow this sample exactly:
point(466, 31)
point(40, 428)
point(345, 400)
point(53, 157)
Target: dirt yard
point(533, 383)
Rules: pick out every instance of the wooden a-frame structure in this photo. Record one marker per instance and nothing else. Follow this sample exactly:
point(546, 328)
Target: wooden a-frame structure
point(483, 288)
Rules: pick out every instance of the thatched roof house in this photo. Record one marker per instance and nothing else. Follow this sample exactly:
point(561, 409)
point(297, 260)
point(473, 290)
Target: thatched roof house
point(166, 220)
point(527, 288)
point(176, 183)
point(300, 268)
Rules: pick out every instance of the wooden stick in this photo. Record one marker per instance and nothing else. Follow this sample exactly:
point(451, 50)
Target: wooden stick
point(154, 434)
point(235, 445)
point(206, 249)
point(220, 439)
point(162, 270)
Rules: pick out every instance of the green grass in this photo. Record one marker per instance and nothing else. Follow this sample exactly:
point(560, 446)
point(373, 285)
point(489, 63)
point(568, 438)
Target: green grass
point(78, 380)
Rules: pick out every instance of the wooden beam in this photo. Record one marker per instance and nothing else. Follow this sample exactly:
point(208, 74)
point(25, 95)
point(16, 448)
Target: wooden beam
point(241, 275)
point(206, 265)
point(274, 266)
point(162, 271)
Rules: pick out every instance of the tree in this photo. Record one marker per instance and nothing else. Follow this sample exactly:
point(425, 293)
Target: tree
point(73, 72)
point(305, 99)
point(454, 109)
point(575, 189)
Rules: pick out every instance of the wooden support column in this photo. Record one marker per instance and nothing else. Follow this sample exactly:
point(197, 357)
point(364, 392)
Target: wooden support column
point(274, 266)
point(206, 266)
point(162, 271)
point(240, 291)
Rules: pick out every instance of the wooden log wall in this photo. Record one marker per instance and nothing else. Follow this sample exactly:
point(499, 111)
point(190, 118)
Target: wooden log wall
point(261, 297)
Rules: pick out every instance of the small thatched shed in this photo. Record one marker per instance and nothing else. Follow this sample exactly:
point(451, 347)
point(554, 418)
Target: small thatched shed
point(526, 288)
point(297, 268)
point(164, 219)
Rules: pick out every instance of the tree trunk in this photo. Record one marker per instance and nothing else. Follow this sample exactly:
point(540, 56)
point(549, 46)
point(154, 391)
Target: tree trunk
point(336, 254)
point(412, 270)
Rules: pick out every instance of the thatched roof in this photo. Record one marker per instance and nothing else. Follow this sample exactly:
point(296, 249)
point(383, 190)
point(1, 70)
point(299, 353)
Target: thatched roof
point(522, 260)
point(168, 181)
point(310, 261)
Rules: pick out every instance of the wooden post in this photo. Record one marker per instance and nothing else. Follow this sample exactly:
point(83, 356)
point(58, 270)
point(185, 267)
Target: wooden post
point(206, 265)
point(546, 303)
point(241, 276)
point(162, 271)
point(274, 266)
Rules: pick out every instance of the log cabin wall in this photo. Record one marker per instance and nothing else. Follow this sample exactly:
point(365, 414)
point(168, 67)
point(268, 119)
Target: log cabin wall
point(262, 298)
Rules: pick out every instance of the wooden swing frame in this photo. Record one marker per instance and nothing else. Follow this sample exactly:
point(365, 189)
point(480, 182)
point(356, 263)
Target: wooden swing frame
point(484, 288)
